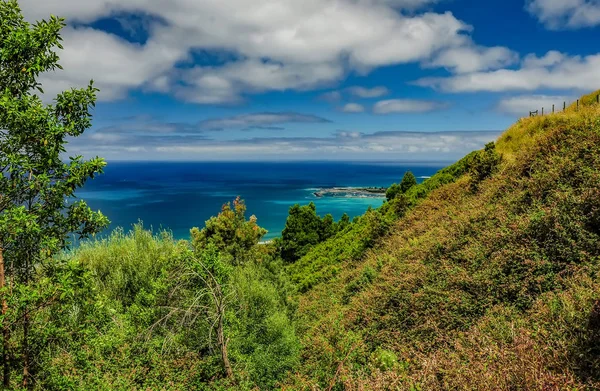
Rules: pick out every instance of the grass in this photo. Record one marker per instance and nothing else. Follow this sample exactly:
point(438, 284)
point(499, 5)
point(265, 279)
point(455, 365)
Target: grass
point(486, 288)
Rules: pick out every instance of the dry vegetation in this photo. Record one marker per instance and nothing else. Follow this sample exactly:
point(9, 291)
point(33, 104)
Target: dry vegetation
point(492, 289)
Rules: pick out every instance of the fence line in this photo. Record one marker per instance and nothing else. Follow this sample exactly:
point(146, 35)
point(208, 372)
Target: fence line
point(537, 112)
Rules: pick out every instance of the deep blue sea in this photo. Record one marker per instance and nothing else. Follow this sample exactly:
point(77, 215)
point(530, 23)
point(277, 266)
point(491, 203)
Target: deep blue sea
point(178, 196)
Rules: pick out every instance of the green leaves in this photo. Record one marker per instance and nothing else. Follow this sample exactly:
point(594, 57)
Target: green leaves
point(38, 213)
point(304, 229)
point(230, 232)
point(408, 182)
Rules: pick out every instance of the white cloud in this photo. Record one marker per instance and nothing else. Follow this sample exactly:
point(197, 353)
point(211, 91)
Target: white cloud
point(522, 105)
point(115, 64)
point(558, 14)
point(227, 83)
point(343, 145)
point(282, 45)
point(551, 58)
point(552, 71)
point(474, 58)
point(363, 92)
point(353, 108)
point(405, 106)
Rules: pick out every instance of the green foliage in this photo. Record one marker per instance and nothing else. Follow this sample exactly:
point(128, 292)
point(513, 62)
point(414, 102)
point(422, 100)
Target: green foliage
point(264, 338)
point(451, 283)
point(408, 181)
point(37, 208)
point(301, 231)
point(128, 265)
point(343, 223)
point(392, 191)
point(322, 260)
point(230, 232)
point(484, 164)
point(142, 316)
point(305, 229)
point(384, 359)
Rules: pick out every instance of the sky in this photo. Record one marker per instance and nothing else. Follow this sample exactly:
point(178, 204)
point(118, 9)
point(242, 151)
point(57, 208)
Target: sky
point(384, 80)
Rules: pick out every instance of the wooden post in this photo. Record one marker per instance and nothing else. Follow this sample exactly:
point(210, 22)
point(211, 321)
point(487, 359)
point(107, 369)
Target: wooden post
point(552, 109)
point(564, 106)
point(577, 104)
point(542, 111)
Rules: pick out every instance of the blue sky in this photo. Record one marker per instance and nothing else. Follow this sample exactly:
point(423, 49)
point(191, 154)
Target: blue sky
point(318, 79)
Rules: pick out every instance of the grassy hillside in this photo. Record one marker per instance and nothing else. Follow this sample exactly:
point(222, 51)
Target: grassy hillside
point(491, 282)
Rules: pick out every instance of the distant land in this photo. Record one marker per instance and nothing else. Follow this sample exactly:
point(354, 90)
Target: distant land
point(351, 192)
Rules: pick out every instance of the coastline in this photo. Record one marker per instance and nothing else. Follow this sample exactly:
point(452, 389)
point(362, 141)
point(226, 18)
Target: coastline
point(351, 192)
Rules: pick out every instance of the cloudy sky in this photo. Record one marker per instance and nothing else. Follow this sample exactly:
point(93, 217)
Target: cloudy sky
point(317, 79)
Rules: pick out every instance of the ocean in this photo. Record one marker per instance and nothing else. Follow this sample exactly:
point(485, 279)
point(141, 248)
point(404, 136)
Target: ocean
point(178, 196)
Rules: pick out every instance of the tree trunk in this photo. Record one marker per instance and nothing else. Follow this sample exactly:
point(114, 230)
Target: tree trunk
point(223, 344)
point(5, 329)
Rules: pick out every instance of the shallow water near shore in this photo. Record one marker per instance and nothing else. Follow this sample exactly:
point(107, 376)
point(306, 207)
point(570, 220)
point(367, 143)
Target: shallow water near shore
point(178, 196)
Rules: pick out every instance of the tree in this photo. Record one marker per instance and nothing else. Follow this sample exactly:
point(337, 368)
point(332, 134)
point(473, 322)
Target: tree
point(301, 231)
point(392, 191)
point(328, 228)
point(343, 223)
point(223, 295)
point(408, 181)
point(37, 189)
point(214, 275)
point(230, 232)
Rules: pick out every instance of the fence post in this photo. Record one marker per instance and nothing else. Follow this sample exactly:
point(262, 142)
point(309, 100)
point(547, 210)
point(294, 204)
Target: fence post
point(577, 104)
point(564, 106)
point(552, 109)
point(542, 111)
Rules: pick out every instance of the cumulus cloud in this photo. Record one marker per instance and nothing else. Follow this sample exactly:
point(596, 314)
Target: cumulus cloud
point(551, 58)
point(353, 108)
point(521, 105)
point(259, 121)
point(570, 14)
point(474, 58)
point(275, 46)
point(226, 83)
point(554, 70)
point(405, 106)
point(114, 63)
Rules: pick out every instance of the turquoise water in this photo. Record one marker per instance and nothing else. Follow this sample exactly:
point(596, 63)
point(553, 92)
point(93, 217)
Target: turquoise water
point(179, 196)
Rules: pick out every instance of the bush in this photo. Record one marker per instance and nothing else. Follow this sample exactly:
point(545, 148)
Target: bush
point(484, 164)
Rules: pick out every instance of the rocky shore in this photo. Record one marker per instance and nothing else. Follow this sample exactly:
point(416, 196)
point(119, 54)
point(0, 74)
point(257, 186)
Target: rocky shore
point(351, 192)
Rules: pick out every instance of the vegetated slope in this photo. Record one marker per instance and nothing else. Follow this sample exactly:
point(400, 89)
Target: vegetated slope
point(487, 284)
point(324, 260)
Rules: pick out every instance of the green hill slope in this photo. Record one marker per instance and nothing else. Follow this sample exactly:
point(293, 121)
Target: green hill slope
point(488, 281)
